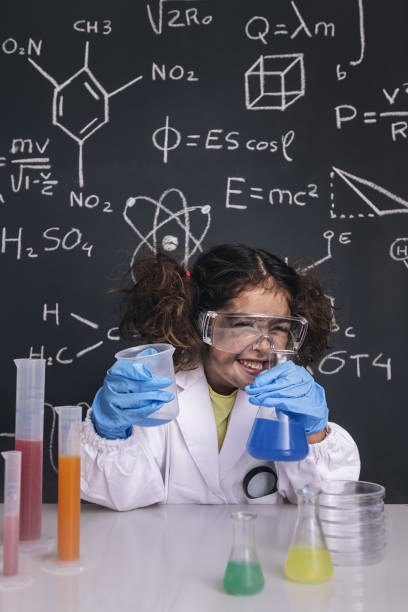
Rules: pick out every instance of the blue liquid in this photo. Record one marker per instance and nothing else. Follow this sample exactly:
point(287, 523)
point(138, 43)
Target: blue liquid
point(272, 440)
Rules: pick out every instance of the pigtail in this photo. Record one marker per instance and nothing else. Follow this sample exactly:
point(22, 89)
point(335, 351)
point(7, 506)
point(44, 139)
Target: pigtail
point(312, 303)
point(160, 307)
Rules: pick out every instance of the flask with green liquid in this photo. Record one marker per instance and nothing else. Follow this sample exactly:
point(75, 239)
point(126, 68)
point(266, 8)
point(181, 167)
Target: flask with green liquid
point(243, 574)
point(308, 559)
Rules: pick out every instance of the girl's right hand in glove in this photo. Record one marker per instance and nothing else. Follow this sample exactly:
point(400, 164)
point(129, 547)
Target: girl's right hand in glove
point(129, 395)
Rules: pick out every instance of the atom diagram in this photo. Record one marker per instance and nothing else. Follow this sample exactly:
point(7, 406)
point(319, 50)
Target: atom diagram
point(163, 215)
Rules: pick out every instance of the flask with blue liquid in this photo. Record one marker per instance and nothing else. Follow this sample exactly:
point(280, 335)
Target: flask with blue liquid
point(275, 436)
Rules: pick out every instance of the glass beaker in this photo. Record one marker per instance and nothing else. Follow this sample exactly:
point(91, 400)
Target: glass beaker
point(161, 362)
point(29, 440)
point(243, 574)
point(308, 558)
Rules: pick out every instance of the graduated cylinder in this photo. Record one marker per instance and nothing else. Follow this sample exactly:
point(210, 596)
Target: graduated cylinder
point(69, 470)
point(11, 517)
point(29, 440)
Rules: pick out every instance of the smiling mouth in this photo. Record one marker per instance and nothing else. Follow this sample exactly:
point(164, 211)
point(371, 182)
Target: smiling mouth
point(253, 365)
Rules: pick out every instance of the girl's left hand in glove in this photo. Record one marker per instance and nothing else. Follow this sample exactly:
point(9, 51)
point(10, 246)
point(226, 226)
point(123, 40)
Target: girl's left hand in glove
point(291, 389)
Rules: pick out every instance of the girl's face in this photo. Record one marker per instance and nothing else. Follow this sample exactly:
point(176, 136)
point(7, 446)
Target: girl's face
point(226, 371)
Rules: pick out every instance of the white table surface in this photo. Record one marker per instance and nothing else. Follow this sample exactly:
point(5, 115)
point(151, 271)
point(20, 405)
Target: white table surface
point(172, 558)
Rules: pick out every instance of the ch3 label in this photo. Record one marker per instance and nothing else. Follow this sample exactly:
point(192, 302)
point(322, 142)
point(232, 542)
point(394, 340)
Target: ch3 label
point(93, 27)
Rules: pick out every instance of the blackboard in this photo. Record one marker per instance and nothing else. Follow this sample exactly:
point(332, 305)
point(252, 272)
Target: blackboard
point(179, 125)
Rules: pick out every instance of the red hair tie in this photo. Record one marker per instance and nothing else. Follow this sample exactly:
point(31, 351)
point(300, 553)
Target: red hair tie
point(188, 274)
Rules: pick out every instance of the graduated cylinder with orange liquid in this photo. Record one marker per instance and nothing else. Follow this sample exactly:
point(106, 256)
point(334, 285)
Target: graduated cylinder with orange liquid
point(69, 469)
point(69, 505)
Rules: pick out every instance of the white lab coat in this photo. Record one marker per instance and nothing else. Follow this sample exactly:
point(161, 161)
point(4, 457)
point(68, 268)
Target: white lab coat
point(179, 462)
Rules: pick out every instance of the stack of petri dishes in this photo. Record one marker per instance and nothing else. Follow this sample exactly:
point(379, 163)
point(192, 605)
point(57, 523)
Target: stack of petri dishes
point(353, 521)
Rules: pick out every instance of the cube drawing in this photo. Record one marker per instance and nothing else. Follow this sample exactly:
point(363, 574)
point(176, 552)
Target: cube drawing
point(275, 82)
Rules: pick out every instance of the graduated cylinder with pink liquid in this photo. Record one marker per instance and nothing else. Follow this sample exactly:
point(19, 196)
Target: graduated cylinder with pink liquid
point(29, 440)
point(11, 518)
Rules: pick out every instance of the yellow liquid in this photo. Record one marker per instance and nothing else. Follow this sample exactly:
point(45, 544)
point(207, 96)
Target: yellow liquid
point(308, 565)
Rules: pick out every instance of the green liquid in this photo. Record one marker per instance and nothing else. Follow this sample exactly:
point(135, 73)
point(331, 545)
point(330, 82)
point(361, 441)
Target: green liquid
point(243, 578)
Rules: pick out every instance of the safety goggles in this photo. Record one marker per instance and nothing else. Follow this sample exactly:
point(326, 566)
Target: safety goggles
point(235, 332)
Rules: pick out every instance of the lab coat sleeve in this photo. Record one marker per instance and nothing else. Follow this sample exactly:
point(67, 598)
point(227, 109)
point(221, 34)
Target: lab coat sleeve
point(123, 474)
point(334, 458)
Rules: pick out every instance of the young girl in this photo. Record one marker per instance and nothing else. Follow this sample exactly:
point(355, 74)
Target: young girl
point(224, 317)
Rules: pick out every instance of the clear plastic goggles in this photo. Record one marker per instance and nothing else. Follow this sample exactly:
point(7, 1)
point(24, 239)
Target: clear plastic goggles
point(235, 332)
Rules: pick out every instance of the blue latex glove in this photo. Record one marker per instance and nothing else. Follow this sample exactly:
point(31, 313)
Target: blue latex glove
point(291, 389)
point(129, 395)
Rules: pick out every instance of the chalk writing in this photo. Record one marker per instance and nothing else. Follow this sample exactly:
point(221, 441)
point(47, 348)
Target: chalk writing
point(66, 355)
point(168, 138)
point(89, 201)
point(176, 72)
point(53, 239)
point(272, 195)
point(380, 200)
point(399, 250)
point(335, 361)
point(398, 129)
point(85, 94)
point(29, 171)
point(163, 216)
point(177, 18)
point(260, 28)
point(275, 82)
point(328, 235)
point(93, 27)
point(10, 46)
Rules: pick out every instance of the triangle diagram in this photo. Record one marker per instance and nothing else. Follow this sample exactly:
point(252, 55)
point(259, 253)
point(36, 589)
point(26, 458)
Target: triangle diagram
point(355, 197)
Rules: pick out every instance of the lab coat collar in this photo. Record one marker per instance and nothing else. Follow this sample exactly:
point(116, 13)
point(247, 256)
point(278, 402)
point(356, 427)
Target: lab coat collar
point(197, 424)
point(188, 378)
point(239, 427)
point(198, 427)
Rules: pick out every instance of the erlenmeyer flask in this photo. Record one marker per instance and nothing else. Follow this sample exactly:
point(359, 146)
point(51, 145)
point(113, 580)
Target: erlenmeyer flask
point(243, 574)
point(308, 559)
point(274, 435)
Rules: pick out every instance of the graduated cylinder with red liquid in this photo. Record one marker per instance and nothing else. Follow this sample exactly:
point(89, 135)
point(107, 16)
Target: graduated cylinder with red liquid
point(69, 473)
point(29, 440)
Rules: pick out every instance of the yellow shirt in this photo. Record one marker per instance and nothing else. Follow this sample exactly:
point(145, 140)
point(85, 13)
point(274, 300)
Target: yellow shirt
point(222, 406)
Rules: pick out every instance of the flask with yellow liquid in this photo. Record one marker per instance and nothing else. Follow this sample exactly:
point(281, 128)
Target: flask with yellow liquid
point(308, 560)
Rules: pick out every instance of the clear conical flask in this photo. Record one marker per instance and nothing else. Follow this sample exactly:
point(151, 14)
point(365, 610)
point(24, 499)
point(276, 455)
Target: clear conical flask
point(274, 435)
point(308, 558)
point(243, 574)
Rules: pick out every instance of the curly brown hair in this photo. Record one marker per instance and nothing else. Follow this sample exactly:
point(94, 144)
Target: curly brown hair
point(162, 304)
